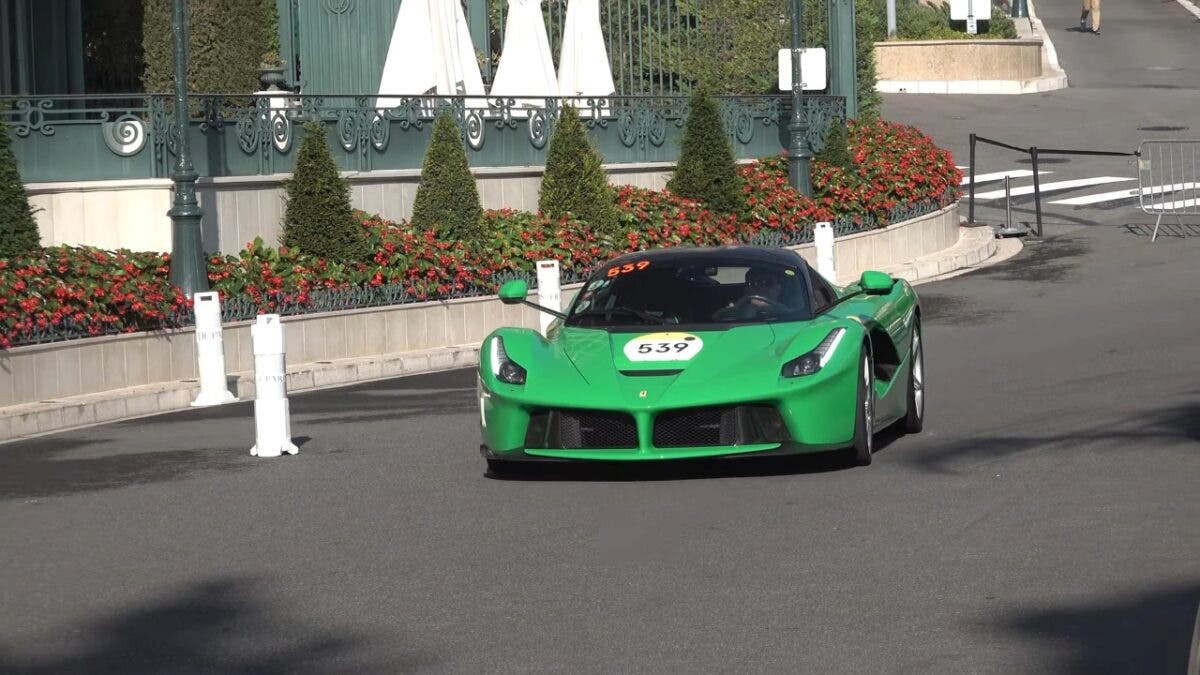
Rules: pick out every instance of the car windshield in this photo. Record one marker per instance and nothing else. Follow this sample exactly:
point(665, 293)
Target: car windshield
point(691, 290)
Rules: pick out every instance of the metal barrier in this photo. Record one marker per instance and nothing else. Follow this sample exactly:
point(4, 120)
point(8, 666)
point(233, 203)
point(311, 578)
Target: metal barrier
point(1034, 152)
point(1167, 179)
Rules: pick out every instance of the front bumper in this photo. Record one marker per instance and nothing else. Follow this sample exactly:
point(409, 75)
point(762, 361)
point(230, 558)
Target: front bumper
point(815, 415)
point(547, 456)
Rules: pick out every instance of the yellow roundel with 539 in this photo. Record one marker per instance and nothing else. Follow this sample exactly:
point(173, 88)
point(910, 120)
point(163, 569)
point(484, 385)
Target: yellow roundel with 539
point(663, 347)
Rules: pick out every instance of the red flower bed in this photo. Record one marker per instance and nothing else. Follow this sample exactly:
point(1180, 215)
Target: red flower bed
point(85, 291)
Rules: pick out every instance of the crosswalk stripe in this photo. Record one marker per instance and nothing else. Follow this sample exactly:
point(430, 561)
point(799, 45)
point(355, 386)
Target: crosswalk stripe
point(1124, 194)
point(999, 175)
point(1172, 206)
point(1051, 187)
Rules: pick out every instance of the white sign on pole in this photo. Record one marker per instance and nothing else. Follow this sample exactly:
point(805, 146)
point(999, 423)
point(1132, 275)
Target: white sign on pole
point(964, 10)
point(210, 351)
point(549, 290)
point(813, 69)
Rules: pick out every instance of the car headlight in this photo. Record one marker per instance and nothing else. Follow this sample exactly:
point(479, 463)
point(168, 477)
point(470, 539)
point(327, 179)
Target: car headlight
point(817, 358)
point(504, 368)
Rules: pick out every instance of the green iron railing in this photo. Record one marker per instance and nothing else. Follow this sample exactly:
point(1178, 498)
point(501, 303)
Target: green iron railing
point(125, 136)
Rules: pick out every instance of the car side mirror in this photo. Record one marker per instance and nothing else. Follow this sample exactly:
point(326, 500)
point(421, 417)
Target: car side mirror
point(514, 292)
point(876, 283)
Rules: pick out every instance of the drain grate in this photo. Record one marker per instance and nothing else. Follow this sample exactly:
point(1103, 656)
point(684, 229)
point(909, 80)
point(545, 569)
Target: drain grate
point(1162, 127)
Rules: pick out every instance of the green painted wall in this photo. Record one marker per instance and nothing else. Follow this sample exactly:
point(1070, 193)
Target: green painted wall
point(343, 44)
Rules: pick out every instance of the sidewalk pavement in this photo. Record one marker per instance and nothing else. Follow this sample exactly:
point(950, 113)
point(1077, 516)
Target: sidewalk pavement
point(976, 247)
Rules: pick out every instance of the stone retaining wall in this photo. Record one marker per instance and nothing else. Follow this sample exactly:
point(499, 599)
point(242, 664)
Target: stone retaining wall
point(924, 60)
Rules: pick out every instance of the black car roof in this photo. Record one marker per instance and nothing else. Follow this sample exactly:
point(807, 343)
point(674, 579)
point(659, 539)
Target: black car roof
point(733, 254)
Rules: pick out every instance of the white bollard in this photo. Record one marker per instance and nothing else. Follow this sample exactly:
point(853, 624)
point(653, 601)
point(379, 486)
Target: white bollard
point(210, 351)
point(549, 291)
point(823, 239)
point(272, 419)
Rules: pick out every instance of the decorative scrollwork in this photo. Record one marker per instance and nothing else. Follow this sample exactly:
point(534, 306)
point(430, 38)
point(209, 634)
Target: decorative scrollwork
point(642, 122)
point(541, 124)
point(281, 132)
point(125, 136)
point(250, 127)
point(31, 116)
point(819, 111)
point(380, 132)
point(339, 6)
point(473, 128)
point(501, 109)
point(739, 121)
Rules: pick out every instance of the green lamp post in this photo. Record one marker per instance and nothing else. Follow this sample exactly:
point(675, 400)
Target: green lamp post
point(188, 270)
point(799, 152)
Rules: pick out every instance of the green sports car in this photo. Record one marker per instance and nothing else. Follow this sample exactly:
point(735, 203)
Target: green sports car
point(685, 353)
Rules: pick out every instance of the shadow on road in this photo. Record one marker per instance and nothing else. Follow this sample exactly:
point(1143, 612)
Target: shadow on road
point(1179, 423)
point(1147, 633)
point(217, 626)
point(43, 467)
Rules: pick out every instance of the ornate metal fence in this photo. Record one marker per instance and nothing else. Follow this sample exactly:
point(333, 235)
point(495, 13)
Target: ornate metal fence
point(76, 138)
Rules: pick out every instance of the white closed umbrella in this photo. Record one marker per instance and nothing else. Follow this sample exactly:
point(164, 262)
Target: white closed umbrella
point(583, 68)
point(454, 53)
point(526, 64)
point(430, 52)
point(409, 69)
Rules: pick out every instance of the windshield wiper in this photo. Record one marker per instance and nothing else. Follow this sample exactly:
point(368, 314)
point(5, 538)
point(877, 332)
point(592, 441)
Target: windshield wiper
point(621, 309)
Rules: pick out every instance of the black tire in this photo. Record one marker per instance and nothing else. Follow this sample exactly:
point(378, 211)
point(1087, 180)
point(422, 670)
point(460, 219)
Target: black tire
point(864, 418)
point(914, 420)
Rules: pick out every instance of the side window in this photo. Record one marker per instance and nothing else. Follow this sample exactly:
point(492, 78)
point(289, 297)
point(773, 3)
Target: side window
point(823, 295)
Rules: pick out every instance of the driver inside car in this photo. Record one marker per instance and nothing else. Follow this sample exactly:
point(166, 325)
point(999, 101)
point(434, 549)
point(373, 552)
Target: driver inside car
point(763, 294)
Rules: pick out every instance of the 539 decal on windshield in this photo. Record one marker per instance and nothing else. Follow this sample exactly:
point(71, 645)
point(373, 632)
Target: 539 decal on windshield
point(628, 267)
point(663, 347)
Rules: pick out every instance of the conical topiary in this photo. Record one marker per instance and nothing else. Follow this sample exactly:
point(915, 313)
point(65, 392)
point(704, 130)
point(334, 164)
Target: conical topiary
point(574, 181)
point(448, 196)
point(706, 170)
point(837, 146)
point(319, 219)
point(18, 230)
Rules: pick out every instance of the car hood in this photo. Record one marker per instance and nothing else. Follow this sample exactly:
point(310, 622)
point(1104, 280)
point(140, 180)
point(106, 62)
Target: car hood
point(686, 367)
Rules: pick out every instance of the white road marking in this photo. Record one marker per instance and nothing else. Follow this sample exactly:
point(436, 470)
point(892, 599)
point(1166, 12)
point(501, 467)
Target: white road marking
point(1051, 187)
point(1124, 194)
point(999, 175)
point(1172, 206)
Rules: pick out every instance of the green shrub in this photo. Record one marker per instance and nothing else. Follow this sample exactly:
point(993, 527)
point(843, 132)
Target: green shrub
point(18, 229)
point(575, 183)
point(226, 40)
point(448, 197)
point(319, 219)
point(837, 145)
point(916, 20)
point(706, 170)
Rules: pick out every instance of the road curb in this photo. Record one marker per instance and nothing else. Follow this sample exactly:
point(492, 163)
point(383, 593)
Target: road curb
point(975, 247)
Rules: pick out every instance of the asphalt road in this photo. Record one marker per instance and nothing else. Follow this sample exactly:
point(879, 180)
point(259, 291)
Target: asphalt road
point(1045, 521)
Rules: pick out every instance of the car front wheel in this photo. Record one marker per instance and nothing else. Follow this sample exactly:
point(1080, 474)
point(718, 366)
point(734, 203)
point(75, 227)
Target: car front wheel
point(864, 425)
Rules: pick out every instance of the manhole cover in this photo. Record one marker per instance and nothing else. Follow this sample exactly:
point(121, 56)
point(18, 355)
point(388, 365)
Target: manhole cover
point(1163, 68)
point(1161, 128)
